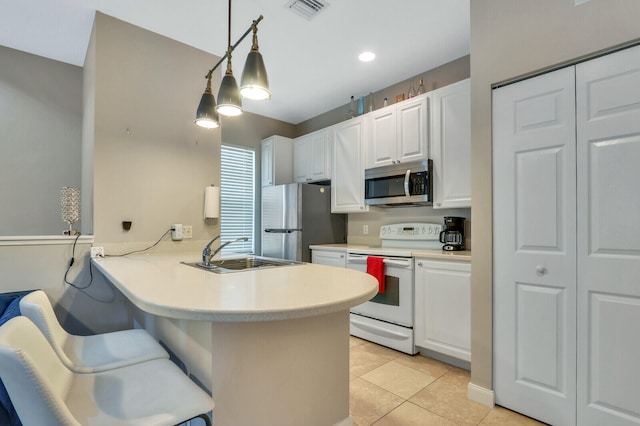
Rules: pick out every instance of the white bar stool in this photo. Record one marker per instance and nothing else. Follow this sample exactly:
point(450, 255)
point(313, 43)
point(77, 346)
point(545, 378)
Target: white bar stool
point(45, 391)
point(89, 354)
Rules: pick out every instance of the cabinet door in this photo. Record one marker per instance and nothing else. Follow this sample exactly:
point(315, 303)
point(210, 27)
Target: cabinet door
point(267, 162)
point(450, 146)
point(329, 258)
point(534, 225)
point(443, 307)
point(382, 137)
point(347, 182)
point(301, 154)
point(319, 157)
point(413, 131)
point(608, 154)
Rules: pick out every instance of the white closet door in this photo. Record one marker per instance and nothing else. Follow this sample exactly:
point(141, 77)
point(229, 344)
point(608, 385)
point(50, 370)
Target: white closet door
point(534, 247)
point(608, 151)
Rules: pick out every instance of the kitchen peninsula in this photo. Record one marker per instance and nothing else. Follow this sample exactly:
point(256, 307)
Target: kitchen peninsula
point(280, 336)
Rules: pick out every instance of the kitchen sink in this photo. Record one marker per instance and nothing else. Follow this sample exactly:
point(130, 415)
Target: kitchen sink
point(238, 264)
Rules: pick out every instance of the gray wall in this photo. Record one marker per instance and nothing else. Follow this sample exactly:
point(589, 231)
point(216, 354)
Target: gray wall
point(151, 164)
point(41, 264)
point(40, 141)
point(509, 39)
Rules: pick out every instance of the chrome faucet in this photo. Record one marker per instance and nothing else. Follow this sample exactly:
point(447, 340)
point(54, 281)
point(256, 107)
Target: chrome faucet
point(207, 254)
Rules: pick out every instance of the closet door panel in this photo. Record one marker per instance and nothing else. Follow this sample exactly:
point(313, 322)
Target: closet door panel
point(534, 246)
point(608, 154)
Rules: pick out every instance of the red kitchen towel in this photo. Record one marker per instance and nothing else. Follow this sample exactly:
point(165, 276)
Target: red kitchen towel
point(375, 267)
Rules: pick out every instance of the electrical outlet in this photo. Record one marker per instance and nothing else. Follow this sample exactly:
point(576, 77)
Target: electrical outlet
point(176, 232)
point(365, 229)
point(97, 252)
point(187, 231)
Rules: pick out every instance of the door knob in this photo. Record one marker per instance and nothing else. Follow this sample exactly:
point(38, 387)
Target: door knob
point(541, 270)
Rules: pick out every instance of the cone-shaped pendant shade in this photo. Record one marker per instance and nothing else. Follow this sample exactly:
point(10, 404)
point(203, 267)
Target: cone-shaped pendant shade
point(229, 102)
point(207, 116)
point(254, 82)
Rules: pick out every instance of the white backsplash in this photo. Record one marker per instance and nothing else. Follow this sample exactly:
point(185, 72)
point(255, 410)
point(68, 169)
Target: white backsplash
point(377, 217)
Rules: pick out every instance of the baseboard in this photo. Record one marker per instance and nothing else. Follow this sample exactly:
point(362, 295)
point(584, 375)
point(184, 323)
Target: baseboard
point(345, 422)
point(481, 395)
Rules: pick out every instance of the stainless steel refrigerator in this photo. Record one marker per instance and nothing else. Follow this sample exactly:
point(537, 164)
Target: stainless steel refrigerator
point(297, 215)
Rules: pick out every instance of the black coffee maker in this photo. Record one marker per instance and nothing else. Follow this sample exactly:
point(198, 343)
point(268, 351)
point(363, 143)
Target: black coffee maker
point(453, 234)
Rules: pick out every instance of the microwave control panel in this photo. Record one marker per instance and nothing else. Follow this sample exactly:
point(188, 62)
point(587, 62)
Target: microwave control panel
point(418, 183)
point(411, 231)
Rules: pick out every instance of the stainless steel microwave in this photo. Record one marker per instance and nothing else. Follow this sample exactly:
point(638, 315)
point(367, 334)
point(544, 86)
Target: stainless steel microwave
point(404, 184)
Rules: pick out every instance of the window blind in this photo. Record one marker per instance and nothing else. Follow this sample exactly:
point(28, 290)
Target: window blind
point(237, 195)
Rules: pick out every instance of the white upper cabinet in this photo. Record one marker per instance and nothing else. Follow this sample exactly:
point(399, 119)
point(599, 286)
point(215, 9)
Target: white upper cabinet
point(312, 157)
point(399, 133)
point(277, 160)
point(450, 146)
point(347, 165)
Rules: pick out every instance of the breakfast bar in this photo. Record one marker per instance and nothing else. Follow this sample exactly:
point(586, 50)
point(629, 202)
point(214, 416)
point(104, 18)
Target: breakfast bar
point(280, 335)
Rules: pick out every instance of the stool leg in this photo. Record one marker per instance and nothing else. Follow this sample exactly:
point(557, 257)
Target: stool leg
point(204, 417)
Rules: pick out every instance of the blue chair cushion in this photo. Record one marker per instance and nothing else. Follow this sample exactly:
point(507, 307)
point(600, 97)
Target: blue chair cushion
point(10, 307)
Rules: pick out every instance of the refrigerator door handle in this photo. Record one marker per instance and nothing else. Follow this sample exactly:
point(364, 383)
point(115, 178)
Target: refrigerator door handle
point(281, 231)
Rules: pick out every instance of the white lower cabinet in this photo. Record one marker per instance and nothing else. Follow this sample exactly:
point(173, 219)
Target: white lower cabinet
point(329, 258)
point(443, 307)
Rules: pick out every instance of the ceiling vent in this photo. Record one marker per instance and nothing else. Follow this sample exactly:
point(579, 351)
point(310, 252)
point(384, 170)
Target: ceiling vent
point(308, 9)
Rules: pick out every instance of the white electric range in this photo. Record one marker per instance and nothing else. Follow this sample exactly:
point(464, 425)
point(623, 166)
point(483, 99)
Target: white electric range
point(387, 319)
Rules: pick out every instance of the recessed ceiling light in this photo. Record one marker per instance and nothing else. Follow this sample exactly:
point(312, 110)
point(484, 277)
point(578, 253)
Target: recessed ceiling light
point(367, 56)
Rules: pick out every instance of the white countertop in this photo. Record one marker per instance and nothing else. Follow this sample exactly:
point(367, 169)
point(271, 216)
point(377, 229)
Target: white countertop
point(463, 255)
point(161, 285)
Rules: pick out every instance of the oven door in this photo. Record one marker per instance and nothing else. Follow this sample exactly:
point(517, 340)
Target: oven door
point(395, 305)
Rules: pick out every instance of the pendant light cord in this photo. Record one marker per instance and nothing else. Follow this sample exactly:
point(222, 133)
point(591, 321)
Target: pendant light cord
point(229, 31)
point(232, 48)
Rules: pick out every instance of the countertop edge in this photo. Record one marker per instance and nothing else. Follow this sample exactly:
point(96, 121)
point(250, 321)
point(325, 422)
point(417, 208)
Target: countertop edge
point(232, 316)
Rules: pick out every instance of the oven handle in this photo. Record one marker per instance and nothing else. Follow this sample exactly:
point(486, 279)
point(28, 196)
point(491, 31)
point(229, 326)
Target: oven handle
point(406, 183)
point(361, 259)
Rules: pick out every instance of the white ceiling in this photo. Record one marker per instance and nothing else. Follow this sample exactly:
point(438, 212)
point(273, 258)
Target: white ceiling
point(312, 65)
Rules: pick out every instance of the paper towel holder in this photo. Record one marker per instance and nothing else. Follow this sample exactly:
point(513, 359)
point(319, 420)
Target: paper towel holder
point(211, 202)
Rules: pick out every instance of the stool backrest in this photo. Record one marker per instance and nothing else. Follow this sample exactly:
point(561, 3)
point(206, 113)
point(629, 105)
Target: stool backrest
point(36, 380)
point(37, 307)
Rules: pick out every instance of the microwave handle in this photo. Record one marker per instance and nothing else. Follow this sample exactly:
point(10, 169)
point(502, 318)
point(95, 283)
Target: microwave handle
point(406, 183)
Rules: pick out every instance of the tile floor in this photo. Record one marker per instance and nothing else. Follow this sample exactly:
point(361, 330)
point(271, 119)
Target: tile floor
point(390, 388)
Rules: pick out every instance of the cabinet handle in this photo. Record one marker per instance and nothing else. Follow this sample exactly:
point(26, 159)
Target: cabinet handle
point(541, 270)
point(342, 256)
point(438, 204)
point(420, 264)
